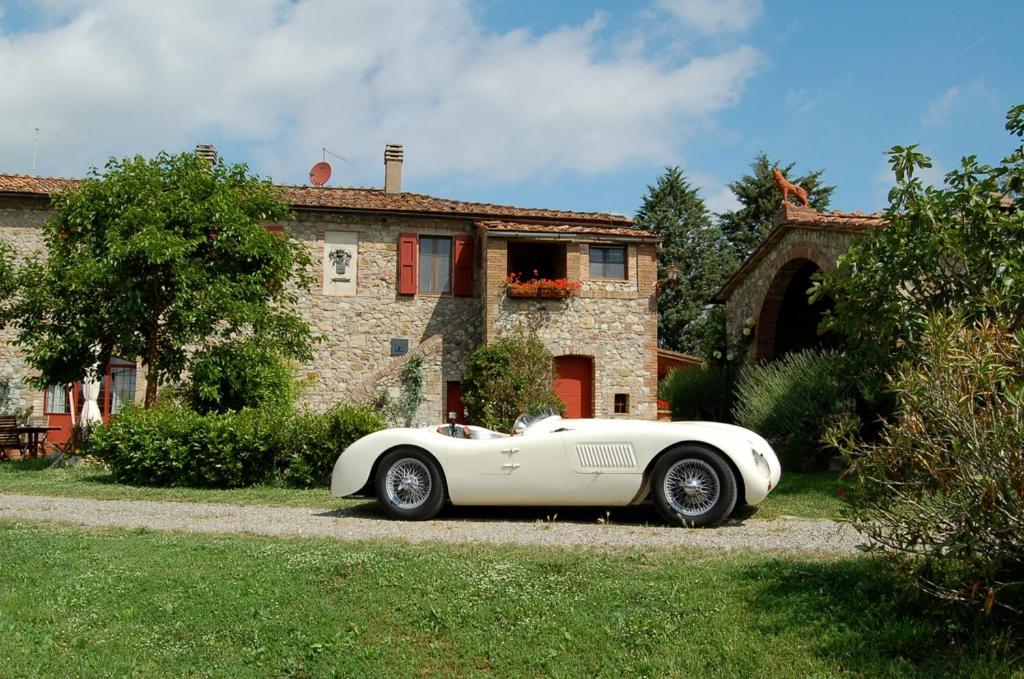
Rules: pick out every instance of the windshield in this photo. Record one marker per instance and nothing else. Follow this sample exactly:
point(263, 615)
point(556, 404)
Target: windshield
point(530, 419)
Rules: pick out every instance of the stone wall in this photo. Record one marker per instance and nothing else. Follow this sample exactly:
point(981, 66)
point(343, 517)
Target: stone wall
point(21, 224)
point(355, 362)
point(613, 322)
point(766, 282)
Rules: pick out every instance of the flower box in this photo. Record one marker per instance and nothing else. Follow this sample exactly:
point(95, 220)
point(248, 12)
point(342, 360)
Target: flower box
point(546, 288)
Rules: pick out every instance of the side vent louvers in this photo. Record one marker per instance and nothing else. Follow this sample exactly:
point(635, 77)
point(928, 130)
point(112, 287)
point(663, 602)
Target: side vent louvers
point(606, 455)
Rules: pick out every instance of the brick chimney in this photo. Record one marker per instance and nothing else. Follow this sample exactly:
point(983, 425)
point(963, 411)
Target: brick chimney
point(207, 151)
point(393, 168)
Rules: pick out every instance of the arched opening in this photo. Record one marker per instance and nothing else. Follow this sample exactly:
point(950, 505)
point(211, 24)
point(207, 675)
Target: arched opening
point(788, 322)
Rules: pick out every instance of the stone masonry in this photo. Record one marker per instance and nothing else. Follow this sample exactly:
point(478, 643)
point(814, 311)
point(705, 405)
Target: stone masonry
point(753, 294)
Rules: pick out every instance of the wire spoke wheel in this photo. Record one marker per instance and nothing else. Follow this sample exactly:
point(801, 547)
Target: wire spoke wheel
point(408, 483)
point(692, 487)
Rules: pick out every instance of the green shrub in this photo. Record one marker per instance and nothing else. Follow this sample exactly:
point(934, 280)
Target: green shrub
point(698, 394)
point(171, 445)
point(503, 380)
point(941, 493)
point(792, 401)
point(237, 375)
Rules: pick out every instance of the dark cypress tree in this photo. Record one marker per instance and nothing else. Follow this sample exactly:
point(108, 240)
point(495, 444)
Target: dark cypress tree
point(760, 198)
point(695, 259)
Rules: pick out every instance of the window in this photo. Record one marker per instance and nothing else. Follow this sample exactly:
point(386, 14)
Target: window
point(57, 401)
point(621, 403)
point(608, 261)
point(435, 264)
point(546, 259)
point(122, 387)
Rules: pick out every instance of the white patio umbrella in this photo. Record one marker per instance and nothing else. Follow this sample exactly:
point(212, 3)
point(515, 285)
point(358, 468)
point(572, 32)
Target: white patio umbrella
point(90, 409)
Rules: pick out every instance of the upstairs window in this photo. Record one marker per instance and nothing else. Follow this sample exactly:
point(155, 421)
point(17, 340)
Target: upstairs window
point(435, 264)
point(536, 260)
point(608, 261)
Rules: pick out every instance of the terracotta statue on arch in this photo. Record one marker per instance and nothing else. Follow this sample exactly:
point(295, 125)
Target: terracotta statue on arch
point(787, 187)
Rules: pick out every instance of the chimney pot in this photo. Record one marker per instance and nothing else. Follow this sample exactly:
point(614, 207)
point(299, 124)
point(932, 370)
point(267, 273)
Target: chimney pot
point(208, 152)
point(393, 155)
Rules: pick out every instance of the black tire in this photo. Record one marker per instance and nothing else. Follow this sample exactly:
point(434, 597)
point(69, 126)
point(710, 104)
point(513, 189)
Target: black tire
point(701, 489)
point(421, 496)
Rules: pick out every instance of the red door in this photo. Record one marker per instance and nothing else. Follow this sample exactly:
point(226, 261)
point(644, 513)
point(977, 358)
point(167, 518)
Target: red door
point(574, 384)
point(453, 402)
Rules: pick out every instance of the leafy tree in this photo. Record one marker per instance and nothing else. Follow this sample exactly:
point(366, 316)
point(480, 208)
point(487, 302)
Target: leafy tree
point(955, 248)
point(760, 198)
point(693, 262)
point(160, 259)
point(512, 376)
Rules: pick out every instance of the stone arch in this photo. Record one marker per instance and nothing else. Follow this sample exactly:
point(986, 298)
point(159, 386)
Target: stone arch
point(785, 321)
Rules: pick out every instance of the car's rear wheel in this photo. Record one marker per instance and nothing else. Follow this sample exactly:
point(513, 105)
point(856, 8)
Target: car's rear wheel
point(409, 485)
point(693, 486)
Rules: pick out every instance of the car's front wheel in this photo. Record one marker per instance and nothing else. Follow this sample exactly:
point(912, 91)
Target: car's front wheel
point(693, 486)
point(409, 485)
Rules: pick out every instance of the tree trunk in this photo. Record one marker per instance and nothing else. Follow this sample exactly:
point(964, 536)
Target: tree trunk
point(151, 372)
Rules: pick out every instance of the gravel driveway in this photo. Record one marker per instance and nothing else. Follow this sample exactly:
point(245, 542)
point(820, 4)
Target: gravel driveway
point(455, 526)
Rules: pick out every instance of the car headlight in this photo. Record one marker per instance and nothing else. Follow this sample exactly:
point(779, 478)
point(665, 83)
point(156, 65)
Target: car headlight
point(760, 462)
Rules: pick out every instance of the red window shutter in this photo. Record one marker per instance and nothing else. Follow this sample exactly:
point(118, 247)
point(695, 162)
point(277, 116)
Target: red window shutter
point(408, 260)
point(462, 283)
point(275, 229)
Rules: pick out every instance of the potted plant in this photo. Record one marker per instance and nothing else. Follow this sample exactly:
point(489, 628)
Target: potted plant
point(550, 288)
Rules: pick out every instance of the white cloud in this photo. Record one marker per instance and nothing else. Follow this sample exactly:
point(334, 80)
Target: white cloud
point(954, 100)
point(282, 79)
point(800, 101)
point(717, 196)
point(715, 17)
point(939, 108)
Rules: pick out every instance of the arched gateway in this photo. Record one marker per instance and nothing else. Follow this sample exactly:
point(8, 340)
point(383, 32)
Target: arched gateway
point(766, 306)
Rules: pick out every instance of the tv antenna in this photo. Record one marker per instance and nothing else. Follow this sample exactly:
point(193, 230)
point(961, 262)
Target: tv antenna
point(321, 172)
point(35, 143)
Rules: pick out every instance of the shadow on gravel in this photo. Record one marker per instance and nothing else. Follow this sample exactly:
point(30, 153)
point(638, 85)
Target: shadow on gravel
point(638, 516)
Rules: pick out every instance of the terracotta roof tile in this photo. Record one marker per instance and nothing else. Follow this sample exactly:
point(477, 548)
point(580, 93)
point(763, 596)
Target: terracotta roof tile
point(626, 231)
point(793, 215)
point(357, 200)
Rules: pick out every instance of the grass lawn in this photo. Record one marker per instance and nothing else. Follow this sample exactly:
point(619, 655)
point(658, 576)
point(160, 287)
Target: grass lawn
point(802, 495)
point(136, 603)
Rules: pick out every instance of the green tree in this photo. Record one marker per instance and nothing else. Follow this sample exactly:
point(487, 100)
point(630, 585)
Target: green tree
point(512, 376)
point(759, 200)
point(957, 248)
point(693, 262)
point(160, 259)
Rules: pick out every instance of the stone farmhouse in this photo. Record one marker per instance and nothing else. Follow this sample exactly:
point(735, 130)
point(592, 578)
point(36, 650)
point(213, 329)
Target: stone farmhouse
point(404, 274)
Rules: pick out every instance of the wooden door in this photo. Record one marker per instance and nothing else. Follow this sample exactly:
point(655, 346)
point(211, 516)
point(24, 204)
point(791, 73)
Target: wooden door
point(574, 384)
point(453, 403)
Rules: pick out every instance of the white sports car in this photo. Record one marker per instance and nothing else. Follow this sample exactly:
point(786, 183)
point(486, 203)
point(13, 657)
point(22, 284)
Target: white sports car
point(695, 472)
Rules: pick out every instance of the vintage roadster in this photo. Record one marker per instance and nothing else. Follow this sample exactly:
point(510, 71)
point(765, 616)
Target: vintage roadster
point(696, 473)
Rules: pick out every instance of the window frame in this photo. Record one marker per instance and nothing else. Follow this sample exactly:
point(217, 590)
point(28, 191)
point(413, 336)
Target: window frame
point(434, 269)
point(604, 262)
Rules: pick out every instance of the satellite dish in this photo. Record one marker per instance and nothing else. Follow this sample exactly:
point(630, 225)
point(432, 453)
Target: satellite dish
point(320, 173)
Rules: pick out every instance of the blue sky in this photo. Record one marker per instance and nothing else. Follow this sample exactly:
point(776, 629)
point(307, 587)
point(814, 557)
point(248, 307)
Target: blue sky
point(570, 104)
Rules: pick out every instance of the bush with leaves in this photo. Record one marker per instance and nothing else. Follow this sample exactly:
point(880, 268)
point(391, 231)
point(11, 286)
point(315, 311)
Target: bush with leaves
point(514, 375)
point(401, 411)
point(239, 374)
point(170, 445)
point(959, 246)
point(698, 394)
point(793, 401)
point(941, 494)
